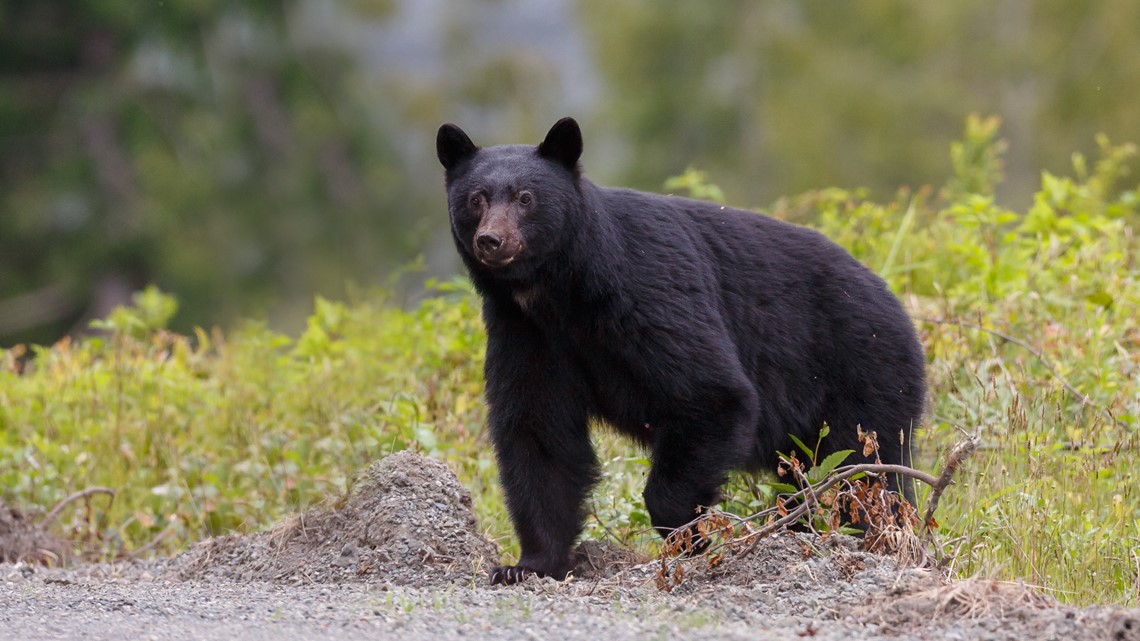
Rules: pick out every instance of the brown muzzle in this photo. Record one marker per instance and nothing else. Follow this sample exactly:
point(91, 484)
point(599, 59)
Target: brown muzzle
point(497, 241)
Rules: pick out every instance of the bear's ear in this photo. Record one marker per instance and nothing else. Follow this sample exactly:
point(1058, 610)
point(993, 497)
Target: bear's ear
point(452, 146)
point(563, 144)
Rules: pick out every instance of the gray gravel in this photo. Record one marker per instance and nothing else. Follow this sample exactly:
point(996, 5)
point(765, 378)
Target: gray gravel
point(38, 610)
point(92, 604)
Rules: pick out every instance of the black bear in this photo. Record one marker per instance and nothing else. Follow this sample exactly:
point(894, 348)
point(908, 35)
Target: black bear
point(706, 333)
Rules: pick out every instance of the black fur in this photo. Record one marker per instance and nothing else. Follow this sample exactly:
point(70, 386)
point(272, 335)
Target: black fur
point(706, 333)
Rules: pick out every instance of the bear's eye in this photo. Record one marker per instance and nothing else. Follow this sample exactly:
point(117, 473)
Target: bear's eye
point(476, 200)
point(526, 199)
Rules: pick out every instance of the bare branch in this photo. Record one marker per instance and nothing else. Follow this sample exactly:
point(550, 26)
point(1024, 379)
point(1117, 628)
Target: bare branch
point(805, 498)
point(82, 494)
point(957, 454)
point(162, 536)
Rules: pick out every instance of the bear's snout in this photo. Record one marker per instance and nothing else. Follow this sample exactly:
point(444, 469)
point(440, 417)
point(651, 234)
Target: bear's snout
point(498, 240)
point(495, 248)
point(488, 241)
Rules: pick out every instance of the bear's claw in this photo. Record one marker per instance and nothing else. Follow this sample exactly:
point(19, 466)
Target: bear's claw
point(512, 574)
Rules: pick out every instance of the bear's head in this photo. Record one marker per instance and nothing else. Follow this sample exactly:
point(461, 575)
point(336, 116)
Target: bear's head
point(510, 205)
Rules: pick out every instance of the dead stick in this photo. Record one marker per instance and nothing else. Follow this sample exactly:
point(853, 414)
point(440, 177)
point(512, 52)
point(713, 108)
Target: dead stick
point(82, 494)
point(841, 474)
point(838, 475)
point(811, 500)
point(162, 536)
point(957, 454)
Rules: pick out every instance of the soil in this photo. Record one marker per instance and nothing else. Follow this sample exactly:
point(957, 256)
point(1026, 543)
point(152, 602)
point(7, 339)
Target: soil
point(402, 555)
point(22, 539)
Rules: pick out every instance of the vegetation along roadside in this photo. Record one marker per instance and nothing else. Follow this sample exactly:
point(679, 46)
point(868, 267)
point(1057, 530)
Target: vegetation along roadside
point(1030, 320)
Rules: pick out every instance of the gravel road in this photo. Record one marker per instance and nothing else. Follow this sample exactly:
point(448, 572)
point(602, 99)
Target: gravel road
point(92, 604)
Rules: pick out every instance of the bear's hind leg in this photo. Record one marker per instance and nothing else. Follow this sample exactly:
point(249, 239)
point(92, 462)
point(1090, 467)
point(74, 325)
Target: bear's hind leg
point(693, 453)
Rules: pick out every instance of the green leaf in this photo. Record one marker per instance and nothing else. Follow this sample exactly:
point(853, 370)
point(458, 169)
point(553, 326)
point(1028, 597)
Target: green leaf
point(831, 462)
point(783, 488)
point(800, 444)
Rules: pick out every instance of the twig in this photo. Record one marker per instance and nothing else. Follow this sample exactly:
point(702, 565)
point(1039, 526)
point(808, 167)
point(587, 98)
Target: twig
point(839, 475)
point(957, 454)
point(1038, 354)
point(162, 536)
point(82, 494)
point(847, 471)
point(811, 500)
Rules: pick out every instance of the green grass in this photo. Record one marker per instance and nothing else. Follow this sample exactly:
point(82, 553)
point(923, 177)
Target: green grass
point(211, 433)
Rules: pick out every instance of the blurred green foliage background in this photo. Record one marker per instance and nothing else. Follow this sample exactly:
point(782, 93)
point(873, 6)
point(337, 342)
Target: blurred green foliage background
point(247, 155)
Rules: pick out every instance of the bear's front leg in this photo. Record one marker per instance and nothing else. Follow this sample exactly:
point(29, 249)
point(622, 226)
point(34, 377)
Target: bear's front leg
point(546, 477)
point(538, 418)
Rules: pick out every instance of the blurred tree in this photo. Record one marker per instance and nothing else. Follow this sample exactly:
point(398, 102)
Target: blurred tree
point(788, 95)
point(197, 144)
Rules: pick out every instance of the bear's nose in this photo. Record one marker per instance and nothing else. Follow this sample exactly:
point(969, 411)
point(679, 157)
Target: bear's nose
point(488, 241)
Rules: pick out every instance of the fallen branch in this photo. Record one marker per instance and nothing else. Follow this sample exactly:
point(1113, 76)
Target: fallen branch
point(803, 498)
point(957, 454)
point(82, 494)
point(839, 475)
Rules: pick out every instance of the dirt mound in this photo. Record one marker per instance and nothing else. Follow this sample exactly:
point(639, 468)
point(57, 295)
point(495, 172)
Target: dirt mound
point(985, 608)
point(22, 539)
point(406, 521)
